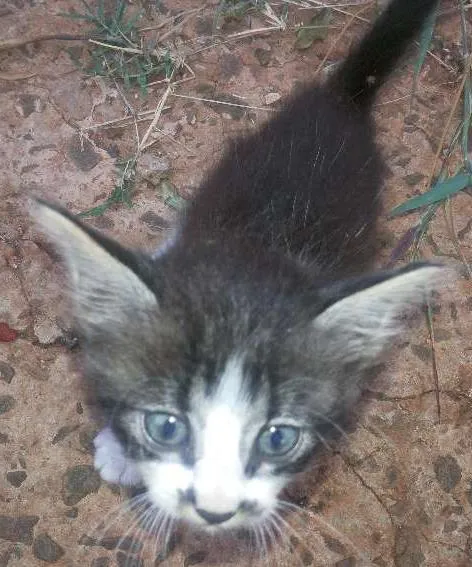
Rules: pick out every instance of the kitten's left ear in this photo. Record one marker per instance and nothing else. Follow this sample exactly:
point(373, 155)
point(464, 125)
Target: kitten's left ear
point(103, 275)
point(366, 318)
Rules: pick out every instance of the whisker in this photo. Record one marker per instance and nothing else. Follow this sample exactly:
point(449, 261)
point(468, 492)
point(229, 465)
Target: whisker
point(331, 422)
point(276, 517)
point(321, 523)
point(116, 514)
point(147, 524)
point(153, 531)
point(255, 539)
point(141, 515)
point(325, 444)
point(264, 542)
point(271, 534)
point(160, 531)
point(170, 529)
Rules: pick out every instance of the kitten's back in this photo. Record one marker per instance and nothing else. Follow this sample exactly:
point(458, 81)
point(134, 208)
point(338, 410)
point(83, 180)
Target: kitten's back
point(308, 182)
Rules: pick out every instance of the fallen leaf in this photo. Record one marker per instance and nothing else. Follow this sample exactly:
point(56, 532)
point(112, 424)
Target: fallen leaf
point(316, 30)
point(7, 334)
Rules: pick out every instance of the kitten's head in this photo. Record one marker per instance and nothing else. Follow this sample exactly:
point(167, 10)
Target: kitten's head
point(222, 374)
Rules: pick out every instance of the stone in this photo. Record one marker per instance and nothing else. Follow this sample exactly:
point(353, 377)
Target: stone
point(442, 335)
point(6, 403)
point(7, 334)
point(6, 372)
point(263, 56)
point(422, 352)
point(103, 561)
point(16, 478)
point(153, 168)
point(413, 178)
point(72, 513)
point(271, 98)
point(230, 65)
point(348, 562)
point(334, 545)
point(64, 432)
point(86, 437)
point(154, 221)
point(46, 549)
point(47, 332)
point(78, 482)
point(28, 103)
point(235, 112)
point(448, 472)
point(102, 223)
point(18, 528)
point(76, 102)
point(195, 558)
point(407, 548)
point(125, 560)
point(82, 153)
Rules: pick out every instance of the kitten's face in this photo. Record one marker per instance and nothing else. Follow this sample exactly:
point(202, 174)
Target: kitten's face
point(220, 463)
point(221, 378)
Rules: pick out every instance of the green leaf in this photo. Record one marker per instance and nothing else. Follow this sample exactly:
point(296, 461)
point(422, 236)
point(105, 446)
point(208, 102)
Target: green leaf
point(95, 211)
point(425, 40)
point(315, 31)
point(171, 197)
point(438, 192)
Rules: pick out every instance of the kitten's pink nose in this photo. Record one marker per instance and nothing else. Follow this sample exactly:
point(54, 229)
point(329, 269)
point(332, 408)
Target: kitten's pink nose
point(213, 518)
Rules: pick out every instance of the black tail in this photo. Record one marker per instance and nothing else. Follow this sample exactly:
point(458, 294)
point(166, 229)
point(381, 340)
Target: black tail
point(369, 64)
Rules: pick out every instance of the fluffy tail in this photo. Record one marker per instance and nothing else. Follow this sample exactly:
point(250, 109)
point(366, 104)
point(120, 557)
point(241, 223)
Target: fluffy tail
point(369, 64)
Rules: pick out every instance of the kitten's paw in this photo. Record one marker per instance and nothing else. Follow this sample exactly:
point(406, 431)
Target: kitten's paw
point(111, 462)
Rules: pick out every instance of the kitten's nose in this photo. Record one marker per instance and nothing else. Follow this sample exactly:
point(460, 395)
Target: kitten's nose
point(213, 518)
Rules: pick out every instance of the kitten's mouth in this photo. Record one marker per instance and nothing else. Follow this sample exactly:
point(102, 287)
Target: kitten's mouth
point(213, 523)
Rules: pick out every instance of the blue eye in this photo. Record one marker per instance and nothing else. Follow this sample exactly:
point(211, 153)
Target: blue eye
point(166, 429)
point(277, 440)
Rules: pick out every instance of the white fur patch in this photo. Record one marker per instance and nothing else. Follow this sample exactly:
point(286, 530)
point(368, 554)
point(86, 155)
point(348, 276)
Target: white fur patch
point(111, 462)
point(219, 472)
point(218, 475)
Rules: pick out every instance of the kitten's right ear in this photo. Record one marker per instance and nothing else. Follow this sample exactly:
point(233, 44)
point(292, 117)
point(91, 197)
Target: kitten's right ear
point(366, 317)
point(104, 284)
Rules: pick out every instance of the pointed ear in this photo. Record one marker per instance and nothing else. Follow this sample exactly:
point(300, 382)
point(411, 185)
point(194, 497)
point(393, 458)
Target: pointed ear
point(104, 284)
point(367, 318)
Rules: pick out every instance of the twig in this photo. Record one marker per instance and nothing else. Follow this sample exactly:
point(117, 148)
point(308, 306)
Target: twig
point(429, 320)
point(13, 43)
point(225, 103)
point(337, 8)
point(255, 31)
point(160, 25)
point(176, 27)
point(16, 76)
point(157, 115)
point(118, 122)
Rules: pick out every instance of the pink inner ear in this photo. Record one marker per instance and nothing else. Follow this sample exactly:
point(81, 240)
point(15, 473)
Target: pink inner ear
point(111, 462)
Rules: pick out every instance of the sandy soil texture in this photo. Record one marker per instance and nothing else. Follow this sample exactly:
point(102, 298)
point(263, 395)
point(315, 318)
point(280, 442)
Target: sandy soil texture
point(397, 491)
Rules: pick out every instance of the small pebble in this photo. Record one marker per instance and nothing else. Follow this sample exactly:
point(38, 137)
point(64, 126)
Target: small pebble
point(6, 372)
point(16, 478)
point(46, 549)
point(78, 482)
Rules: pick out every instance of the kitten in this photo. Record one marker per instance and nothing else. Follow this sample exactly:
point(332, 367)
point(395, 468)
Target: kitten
point(221, 362)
